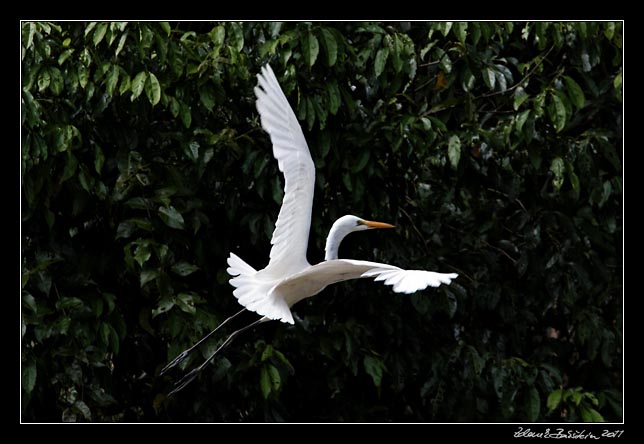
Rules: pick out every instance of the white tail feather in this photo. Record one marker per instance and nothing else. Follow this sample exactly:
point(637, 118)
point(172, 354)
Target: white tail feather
point(254, 293)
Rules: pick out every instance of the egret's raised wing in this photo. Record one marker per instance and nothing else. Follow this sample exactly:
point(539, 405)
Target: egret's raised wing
point(315, 278)
point(291, 235)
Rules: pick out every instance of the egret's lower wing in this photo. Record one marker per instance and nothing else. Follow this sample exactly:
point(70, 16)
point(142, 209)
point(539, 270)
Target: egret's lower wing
point(315, 278)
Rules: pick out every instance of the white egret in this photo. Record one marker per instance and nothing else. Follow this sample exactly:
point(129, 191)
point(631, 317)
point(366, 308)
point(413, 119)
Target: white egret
point(288, 278)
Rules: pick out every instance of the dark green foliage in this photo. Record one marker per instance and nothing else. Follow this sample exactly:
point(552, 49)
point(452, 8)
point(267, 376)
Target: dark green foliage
point(494, 147)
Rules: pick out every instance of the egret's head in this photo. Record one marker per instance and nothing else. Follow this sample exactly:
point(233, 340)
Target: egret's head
point(353, 223)
point(344, 226)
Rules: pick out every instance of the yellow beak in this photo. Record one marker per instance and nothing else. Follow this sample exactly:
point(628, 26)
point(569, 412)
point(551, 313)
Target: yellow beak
point(372, 224)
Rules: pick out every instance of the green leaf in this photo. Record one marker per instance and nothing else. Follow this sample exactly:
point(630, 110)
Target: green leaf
point(164, 305)
point(104, 333)
point(99, 159)
point(57, 81)
point(236, 36)
point(280, 357)
point(446, 63)
point(438, 124)
point(217, 35)
point(330, 46)
point(420, 302)
point(310, 48)
point(346, 179)
point(222, 367)
point(310, 114)
point(575, 92)
point(521, 120)
point(110, 299)
point(554, 399)
point(557, 112)
point(589, 414)
point(184, 268)
point(268, 48)
point(186, 303)
point(166, 27)
point(574, 180)
point(361, 162)
point(44, 79)
point(207, 96)
point(101, 28)
point(444, 27)
point(451, 304)
point(267, 353)
point(276, 380)
point(454, 150)
point(69, 303)
point(533, 404)
point(617, 84)
point(112, 80)
point(152, 89)
point(171, 217)
point(84, 410)
point(460, 30)
point(142, 253)
point(186, 115)
point(427, 124)
point(31, 31)
point(29, 374)
point(381, 60)
point(277, 191)
point(374, 368)
point(557, 167)
point(138, 84)
point(126, 83)
point(62, 58)
point(396, 55)
point(265, 382)
point(28, 299)
point(147, 276)
point(121, 44)
point(334, 97)
point(520, 96)
point(489, 77)
point(70, 167)
point(83, 75)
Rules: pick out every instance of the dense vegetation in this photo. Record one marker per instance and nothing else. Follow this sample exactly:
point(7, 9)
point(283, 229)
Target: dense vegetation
point(496, 149)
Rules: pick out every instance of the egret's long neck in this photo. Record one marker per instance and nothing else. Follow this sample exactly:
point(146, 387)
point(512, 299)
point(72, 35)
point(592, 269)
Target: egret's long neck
point(337, 233)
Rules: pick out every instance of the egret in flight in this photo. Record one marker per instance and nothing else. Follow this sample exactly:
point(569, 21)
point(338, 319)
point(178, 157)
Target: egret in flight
point(288, 278)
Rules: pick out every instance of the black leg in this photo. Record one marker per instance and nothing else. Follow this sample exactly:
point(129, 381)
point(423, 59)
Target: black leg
point(184, 354)
point(187, 379)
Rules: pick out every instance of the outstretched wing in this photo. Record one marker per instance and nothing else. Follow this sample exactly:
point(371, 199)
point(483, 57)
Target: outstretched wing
point(291, 235)
point(409, 281)
point(315, 278)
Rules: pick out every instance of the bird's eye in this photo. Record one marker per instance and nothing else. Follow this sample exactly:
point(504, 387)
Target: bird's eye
point(359, 222)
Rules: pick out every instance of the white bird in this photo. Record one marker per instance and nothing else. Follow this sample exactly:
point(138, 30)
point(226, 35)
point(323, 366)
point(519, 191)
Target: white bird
point(288, 278)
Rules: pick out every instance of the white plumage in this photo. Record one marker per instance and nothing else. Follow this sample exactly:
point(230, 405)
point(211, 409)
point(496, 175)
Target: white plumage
point(288, 277)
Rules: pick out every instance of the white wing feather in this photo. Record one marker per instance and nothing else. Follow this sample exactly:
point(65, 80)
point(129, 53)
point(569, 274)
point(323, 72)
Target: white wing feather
point(291, 235)
point(409, 281)
point(314, 279)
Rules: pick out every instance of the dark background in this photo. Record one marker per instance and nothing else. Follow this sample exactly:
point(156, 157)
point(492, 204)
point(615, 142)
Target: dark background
point(495, 148)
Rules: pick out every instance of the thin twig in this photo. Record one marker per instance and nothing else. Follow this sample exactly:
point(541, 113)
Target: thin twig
point(460, 272)
point(514, 261)
point(516, 199)
point(411, 221)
